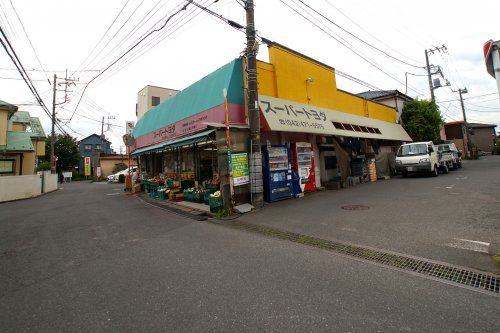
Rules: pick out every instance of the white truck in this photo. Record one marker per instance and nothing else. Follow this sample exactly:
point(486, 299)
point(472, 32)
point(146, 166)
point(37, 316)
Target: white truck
point(419, 157)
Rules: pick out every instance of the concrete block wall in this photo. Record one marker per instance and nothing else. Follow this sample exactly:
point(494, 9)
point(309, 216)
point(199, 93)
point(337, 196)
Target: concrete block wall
point(19, 187)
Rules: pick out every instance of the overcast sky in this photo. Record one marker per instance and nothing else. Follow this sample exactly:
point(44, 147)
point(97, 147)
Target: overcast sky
point(64, 32)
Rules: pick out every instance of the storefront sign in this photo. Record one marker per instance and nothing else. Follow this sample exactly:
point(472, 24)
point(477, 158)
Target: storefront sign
point(129, 127)
point(289, 116)
point(87, 166)
point(239, 166)
point(98, 172)
point(192, 125)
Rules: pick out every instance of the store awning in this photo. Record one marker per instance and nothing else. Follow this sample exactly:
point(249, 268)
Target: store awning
point(184, 141)
point(288, 116)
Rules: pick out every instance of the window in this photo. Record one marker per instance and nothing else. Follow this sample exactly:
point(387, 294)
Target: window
point(155, 100)
point(88, 147)
point(97, 147)
point(6, 166)
point(338, 125)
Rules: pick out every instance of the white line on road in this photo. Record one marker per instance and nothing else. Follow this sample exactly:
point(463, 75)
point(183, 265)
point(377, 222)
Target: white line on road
point(471, 245)
point(113, 194)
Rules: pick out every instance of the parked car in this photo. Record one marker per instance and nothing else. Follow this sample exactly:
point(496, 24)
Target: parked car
point(450, 151)
point(418, 157)
point(116, 177)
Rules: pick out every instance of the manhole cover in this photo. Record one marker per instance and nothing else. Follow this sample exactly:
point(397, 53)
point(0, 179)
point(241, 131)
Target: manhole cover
point(355, 207)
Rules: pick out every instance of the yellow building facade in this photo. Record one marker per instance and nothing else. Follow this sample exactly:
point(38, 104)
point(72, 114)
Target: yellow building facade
point(292, 76)
point(22, 141)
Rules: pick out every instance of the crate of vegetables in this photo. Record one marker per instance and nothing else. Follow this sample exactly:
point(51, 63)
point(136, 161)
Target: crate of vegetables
point(215, 202)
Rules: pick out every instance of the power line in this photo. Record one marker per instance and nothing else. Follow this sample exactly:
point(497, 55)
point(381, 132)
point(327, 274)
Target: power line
point(102, 37)
point(132, 48)
point(348, 46)
point(358, 38)
point(17, 62)
point(29, 40)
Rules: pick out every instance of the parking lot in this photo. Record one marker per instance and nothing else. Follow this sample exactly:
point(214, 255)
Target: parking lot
point(420, 215)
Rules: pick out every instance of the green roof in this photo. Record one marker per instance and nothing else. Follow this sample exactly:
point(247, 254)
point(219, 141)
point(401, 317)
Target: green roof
point(21, 117)
point(198, 97)
point(35, 127)
point(18, 141)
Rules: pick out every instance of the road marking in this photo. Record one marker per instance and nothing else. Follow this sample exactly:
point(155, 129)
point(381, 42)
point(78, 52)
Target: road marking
point(462, 177)
point(471, 245)
point(117, 189)
point(350, 229)
point(113, 194)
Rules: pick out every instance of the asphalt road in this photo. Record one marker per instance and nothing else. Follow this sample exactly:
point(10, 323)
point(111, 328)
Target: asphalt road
point(89, 258)
point(421, 216)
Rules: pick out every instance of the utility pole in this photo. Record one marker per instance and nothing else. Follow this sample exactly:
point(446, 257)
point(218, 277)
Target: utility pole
point(469, 143)
point(53, 131)
point(429, 75)
point(253, 109)
point(67, 82)
point(429, 66)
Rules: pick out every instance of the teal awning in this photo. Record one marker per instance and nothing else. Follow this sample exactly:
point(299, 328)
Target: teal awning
point(184, 141)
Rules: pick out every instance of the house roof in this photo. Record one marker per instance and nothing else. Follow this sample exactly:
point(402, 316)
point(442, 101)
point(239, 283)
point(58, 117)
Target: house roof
point(91, 135)
point(23, 117)
point(472, 125)
point(478, 125)
point(11, 108)
point(18, 141)
point(198, 97)
point(382, 94)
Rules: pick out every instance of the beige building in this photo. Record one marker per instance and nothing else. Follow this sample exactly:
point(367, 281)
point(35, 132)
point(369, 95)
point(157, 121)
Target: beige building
point(111, 162)
point(22, 141)
point(150, 96)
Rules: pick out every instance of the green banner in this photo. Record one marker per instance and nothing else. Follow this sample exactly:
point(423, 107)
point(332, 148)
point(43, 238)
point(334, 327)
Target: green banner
point(239, 166)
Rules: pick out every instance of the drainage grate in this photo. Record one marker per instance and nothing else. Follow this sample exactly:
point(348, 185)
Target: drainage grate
point(355, 207)
point(485, 281)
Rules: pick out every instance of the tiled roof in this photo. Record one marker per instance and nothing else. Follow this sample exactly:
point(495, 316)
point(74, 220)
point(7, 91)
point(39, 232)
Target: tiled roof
point(21, 117)
point(378, 94)
point(4, 105)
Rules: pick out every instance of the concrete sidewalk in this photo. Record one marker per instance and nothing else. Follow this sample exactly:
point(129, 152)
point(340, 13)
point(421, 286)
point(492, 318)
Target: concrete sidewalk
point(420, 216)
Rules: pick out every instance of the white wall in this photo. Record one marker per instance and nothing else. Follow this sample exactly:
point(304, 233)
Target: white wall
point(49, 182)
point(23, 187)
point(19, 187)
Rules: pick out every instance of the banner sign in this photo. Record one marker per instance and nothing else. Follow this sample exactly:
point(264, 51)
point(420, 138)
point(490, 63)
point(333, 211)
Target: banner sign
point(239, 166)
point(129, 127)
point(87, 166)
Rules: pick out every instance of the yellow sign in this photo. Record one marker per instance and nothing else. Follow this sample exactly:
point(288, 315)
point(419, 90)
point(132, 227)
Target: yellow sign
point(87, 166)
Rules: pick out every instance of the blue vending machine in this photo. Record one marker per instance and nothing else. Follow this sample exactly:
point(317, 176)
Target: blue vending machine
point(277, 173)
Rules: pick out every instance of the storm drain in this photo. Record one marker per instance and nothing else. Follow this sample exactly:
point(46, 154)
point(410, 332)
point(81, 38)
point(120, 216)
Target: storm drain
point(355, 207)
point(485, 281)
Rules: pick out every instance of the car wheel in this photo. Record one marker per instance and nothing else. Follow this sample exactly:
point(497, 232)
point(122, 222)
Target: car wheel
point(435, 172)
point(455, 166)
point(460, 164)
point(404, 174)
point(445, 168)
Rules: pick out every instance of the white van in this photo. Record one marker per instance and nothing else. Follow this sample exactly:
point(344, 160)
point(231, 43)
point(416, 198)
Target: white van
point(417, 157)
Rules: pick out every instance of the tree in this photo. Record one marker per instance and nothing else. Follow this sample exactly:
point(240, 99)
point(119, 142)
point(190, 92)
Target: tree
point(422, 120)
point(67, 151)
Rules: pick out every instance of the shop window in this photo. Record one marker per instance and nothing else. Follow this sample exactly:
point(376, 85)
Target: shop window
point(155, 100)
point(338, 125)
point(348, 127)
point(357, 128)
point(6, 167)
point(364, 129)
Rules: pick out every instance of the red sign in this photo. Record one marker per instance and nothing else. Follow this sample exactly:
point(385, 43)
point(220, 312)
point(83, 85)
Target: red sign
point(487, 57)
point(192, 124)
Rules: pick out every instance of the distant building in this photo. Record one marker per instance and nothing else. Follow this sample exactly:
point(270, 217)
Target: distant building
point(393, 98)
point(150, 96)
point(90, 146)
point(482, 136)
point(22, 141)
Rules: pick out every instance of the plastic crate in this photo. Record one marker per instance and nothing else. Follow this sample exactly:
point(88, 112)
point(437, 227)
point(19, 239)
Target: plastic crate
point(215, 204)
